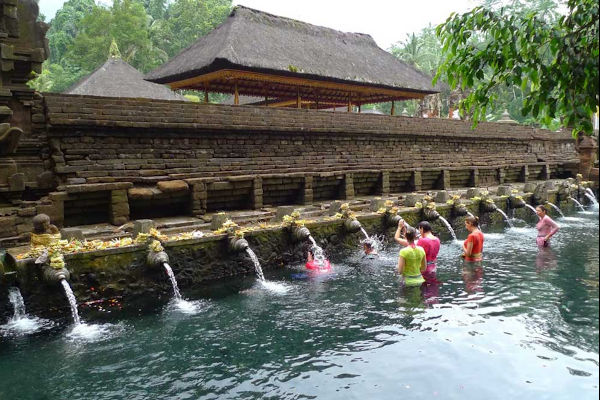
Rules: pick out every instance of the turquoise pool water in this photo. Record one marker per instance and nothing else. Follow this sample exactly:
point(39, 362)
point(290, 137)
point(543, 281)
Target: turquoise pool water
point(523, 326)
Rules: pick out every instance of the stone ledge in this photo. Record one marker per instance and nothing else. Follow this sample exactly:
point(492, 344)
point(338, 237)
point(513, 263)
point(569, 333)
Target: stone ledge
point(95, 187)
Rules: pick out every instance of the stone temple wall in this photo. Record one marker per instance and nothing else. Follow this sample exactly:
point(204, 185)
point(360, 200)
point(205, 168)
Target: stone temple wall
point(116, 159)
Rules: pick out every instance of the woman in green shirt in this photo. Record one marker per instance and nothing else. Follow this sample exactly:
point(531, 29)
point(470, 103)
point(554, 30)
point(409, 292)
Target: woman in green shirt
point(411, 262)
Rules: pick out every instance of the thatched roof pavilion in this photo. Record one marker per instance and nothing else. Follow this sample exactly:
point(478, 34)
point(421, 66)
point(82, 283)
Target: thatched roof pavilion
point(116, 78)
point(289, 62)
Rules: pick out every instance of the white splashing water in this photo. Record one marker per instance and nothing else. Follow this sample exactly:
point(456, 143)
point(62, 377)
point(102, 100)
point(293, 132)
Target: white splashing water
point(374, 241)
point(364, 233)
point(171, 276)
point(530, 207)
point(72, 301)
point(591, 196)
point(577, 203)
point(16, 299)
point(318, 252)
point(558, 210)
point(505, 217)
point(90, 333)
point(21, 323)
point(256, 262)
point(470, 214)
point(449, 227)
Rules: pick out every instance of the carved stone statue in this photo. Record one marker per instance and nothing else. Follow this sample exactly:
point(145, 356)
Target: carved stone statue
point(44, 233)
point(23, 49)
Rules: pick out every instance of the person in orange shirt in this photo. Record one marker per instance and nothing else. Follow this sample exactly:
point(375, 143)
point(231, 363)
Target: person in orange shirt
point(473, 246)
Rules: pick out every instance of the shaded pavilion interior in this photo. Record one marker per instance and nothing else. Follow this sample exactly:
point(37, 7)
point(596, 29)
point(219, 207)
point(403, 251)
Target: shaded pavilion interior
point(289, 63)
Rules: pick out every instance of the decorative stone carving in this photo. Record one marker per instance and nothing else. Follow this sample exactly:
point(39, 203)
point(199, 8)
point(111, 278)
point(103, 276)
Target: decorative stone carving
point(23, 49)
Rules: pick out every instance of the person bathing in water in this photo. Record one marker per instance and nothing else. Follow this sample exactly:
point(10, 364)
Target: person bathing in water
point(369, 249)
point(411, 261)
point(313, 264)
point(546, 227)
point(431, 244)
point(473, 246)
point(428, 241)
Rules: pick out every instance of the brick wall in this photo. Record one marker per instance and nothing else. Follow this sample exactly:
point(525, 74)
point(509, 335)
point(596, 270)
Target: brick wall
point(144, 141)
point(112, 157)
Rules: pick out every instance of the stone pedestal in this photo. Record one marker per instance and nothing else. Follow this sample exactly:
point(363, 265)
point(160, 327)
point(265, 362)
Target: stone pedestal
point(445, 179)
point(199, 196)
point(307, 193)
point(474, 177)
point(385, 183)
point(257, 193)
point(119, 207)
point(349, 186)
point(417, 180)
point(524, 173)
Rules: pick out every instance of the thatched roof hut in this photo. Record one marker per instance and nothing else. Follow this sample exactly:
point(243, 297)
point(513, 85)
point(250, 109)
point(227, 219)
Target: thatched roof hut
point(116, 78)
point(258, 54)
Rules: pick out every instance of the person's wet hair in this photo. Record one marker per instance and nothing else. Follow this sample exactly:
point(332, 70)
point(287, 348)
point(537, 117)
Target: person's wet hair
point(543, 208)
point(411, 234)
point(426, 226)
point(474, 221)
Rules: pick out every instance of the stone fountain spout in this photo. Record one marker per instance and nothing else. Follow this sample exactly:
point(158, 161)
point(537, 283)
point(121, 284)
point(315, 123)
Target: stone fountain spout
point(515, 201)
point(237, 244)
point(459, 210)
point(300, 233)
point(392, 219)
point(488, 206)
point(157, 256)
point(352, 225)
point(430, 214)
point(50, 274)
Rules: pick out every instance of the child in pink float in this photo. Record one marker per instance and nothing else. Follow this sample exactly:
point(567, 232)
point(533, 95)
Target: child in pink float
point(546, 227)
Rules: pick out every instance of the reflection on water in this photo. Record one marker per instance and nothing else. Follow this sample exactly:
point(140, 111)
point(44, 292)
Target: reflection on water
point(522, 324)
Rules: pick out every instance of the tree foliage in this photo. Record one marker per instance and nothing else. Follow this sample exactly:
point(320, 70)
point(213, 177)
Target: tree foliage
point(554, 61)
point(147, 32)
point(126, 22)
point(65, 27)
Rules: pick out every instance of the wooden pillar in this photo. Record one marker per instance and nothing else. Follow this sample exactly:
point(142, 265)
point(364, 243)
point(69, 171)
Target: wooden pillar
point(349, 103)
point(205, 95)
point(298, 100)
point(267, 101)
point(393, 111)
point(359, 108)
point(236, 95)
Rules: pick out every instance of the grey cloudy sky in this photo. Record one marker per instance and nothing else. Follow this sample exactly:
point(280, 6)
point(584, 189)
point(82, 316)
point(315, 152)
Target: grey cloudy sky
point(387, 21)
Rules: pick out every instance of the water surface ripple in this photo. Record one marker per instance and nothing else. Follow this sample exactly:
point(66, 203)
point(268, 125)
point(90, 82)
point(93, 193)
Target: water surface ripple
point(525, 324)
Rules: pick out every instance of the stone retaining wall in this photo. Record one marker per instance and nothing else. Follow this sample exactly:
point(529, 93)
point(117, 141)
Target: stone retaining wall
point(122, 273)
point(124, 158)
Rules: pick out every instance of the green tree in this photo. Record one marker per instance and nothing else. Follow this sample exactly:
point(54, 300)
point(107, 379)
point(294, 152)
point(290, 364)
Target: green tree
point(187, 20)
point(128, 24)
point(155, 8)
point(554, 61)
point(64, 27)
